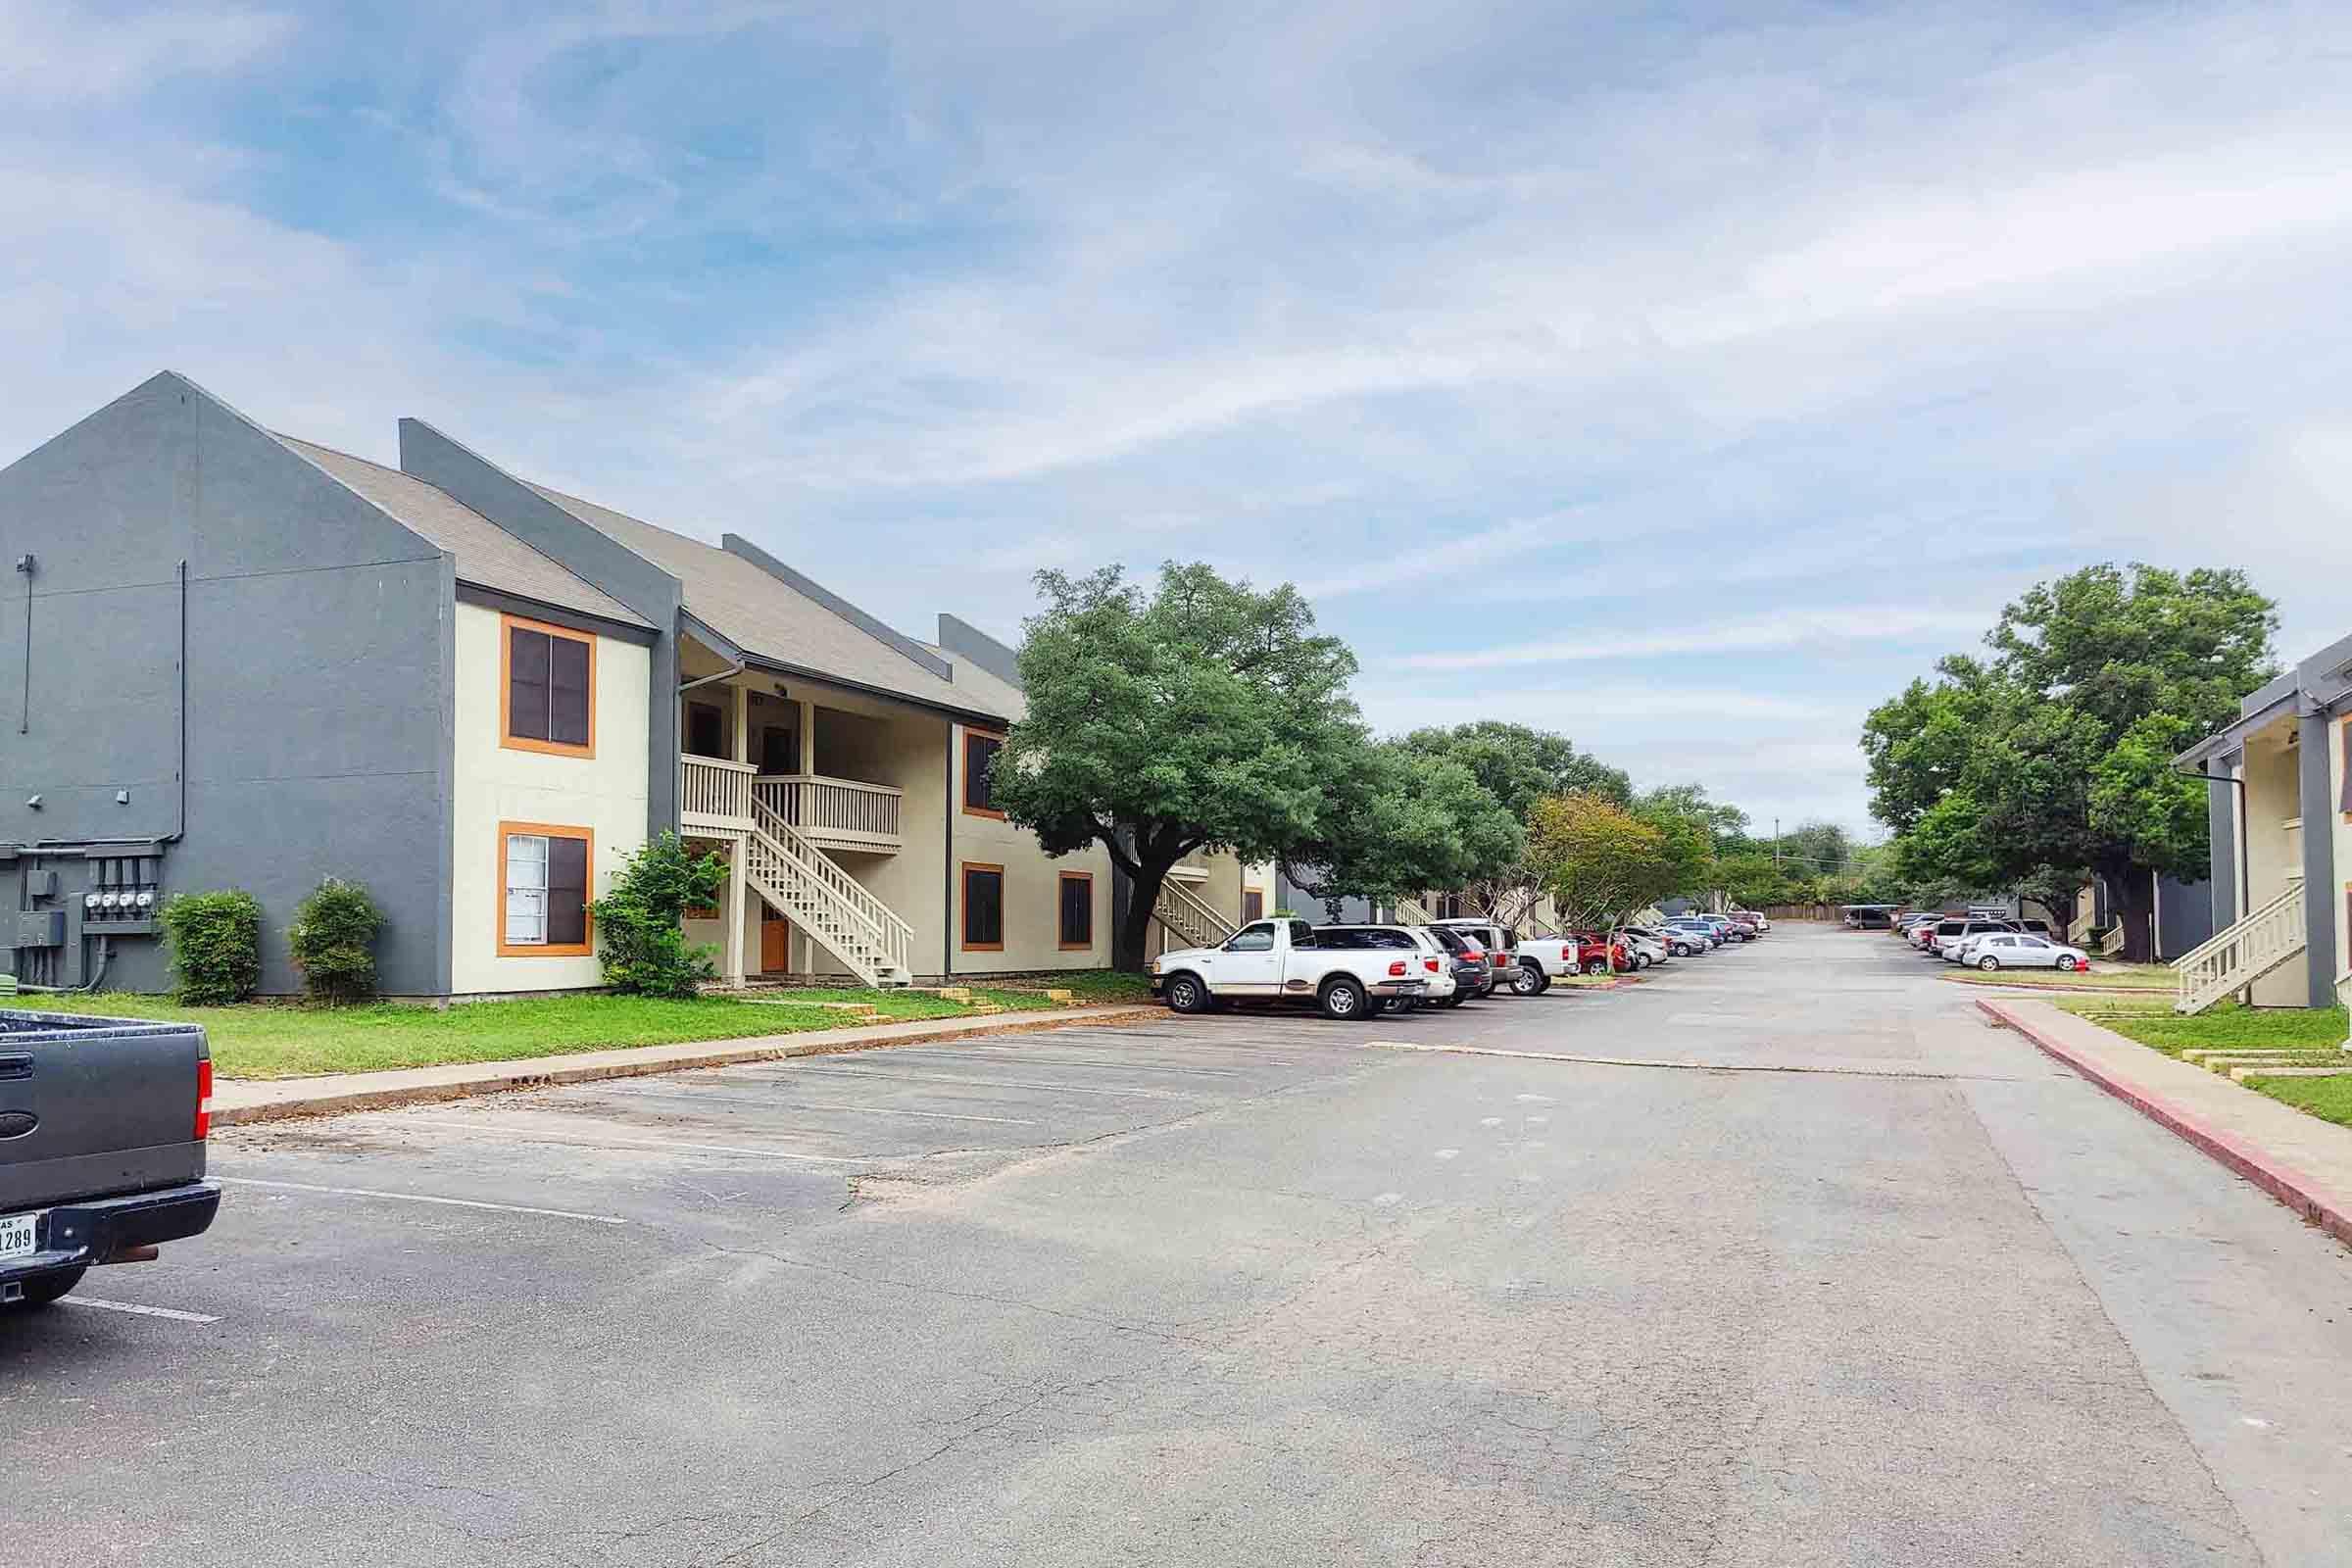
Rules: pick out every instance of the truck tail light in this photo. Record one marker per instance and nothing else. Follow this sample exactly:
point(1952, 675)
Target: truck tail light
point(1397, 968)
point(204, 1100)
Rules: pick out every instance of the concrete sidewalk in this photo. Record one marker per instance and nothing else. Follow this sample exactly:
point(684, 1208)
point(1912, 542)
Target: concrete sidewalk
point(235, 1101)
point(2304, 1163)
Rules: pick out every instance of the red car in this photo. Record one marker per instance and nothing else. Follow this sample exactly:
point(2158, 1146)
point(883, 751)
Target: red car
point(1597, 955)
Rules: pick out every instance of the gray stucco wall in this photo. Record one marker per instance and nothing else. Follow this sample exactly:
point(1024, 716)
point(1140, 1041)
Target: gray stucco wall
point(318, 679)
point(2184, 915)
point(456, 469)
point(2316, 785)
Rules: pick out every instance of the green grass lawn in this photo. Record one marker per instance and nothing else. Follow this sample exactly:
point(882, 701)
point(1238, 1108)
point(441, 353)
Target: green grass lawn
point(285, 1039)
point(2226, 1025)
point(2101, 976)
point(1097, 987)
point(2329, 1099)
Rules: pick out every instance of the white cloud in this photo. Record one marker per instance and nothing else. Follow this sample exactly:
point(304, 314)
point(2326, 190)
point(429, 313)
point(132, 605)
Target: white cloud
point(55, 54)
point(1782, 629)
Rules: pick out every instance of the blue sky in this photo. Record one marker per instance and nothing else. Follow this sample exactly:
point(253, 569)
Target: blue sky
point(1685, 384)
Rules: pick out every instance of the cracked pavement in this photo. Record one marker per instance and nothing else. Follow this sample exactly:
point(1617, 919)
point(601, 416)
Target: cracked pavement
point(1239, 1289)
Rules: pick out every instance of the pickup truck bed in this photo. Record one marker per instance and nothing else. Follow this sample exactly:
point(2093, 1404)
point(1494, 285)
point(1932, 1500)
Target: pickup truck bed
point(102, 1144)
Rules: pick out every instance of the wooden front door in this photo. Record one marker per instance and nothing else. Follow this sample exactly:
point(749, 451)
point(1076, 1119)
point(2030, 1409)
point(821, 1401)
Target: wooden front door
point(775, 942)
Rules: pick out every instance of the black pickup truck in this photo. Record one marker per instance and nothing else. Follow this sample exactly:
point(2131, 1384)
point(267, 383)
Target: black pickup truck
point(102, 1130)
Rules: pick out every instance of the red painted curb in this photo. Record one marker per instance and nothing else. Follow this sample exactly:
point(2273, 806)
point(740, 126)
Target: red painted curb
point(2264, 1169)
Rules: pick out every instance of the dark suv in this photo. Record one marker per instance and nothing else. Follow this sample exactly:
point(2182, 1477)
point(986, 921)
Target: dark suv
point(1473, 975)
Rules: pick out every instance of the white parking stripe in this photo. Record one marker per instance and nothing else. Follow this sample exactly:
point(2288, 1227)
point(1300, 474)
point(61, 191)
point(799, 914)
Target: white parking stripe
point(136, 1311)
point(720, 1095)
point(424, 1197)
point(1000, 1083)
point(600, 1141)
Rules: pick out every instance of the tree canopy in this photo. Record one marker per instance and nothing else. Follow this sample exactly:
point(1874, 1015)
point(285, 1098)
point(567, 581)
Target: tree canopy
point(1596, 858)
point(1204, 715)
point(1400, 822)
point(2052, 760)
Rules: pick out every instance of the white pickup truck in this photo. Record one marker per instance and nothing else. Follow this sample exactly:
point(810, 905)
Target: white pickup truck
point(1282, 961)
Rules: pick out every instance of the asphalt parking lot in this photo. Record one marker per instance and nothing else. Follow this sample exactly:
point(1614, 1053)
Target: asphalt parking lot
point(1781, 1257)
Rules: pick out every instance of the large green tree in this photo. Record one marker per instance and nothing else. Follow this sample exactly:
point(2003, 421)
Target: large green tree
point(1595, 859)
point(1204, 715)
point(1518, 766)
point(2053, 757)
point(1399, 822)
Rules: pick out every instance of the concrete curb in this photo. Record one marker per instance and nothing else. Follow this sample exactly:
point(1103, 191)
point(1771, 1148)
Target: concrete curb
point(2284, 1182)
point(241, 1102)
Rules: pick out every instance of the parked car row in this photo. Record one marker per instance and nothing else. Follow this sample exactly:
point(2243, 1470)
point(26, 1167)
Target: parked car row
point(1352, 972)
point(1989, 943)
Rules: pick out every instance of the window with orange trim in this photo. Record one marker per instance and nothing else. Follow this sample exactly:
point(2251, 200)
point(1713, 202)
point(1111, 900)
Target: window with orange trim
point(1077, 910)
point(983, 907)
point(547, 688)
point(980, 749)
point(544, 876)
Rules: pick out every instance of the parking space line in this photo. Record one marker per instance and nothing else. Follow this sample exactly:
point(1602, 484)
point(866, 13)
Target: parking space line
point(1000, 1083)
point(136, 1311)
point(422, 1198)
point(599, 1141)
point(1068, 1061)
point(720, 1095)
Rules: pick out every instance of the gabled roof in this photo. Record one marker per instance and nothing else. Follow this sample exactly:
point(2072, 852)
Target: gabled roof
point(983, 689)
point(773, 621)
point(487, 555)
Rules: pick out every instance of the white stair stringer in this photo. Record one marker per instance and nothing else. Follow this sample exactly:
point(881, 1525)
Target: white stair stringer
point(831, 907)
point(1409, 911)
point(2237, 957)
point(1190, 919)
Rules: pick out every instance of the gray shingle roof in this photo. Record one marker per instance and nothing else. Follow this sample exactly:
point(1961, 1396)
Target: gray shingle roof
point(763, 616)
point(487, 555)
point(984, 690)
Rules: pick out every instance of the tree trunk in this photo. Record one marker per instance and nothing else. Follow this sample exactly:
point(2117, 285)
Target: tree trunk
point(2131, 892)
point(1135, 930)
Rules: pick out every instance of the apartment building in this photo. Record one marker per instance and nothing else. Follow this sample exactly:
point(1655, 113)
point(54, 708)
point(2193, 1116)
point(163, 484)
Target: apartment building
point(245, 659)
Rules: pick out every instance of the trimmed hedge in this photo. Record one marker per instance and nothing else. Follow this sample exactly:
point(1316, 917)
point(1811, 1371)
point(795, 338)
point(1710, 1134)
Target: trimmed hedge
point(333, 940)
point(216, 942)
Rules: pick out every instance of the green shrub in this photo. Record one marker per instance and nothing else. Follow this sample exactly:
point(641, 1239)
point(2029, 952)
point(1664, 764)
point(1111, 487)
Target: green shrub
point(643, 949)
point(216, 940)
point(333, 942)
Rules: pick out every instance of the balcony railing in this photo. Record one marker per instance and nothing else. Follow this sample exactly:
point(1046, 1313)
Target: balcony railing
point(839, 814)
point(715, 793)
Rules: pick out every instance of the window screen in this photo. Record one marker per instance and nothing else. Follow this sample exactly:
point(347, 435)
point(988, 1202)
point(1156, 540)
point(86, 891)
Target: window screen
point(547, 891)
point(983, 907)
point(546, 687)
point(979, 760)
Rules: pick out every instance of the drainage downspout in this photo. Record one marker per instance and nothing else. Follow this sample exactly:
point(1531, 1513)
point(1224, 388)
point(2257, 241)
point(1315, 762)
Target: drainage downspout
point(2245, 873)
point(728, 674)
point(946, 867)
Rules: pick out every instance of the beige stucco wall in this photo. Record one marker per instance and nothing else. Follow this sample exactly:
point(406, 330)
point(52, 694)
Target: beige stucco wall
point(1032, 892)
point(491, 784)
point(2273, 800)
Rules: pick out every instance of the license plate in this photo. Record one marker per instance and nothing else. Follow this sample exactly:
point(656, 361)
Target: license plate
point(19, 1235)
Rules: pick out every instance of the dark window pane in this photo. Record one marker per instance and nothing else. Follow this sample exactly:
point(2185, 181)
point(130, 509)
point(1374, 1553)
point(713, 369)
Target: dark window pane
point(2345, 805)
point(566, 890)
point(1077, 910)
point(1253, 904)
point(567, 692)
point(982, 909)
point(526, 683)
point(979, 757)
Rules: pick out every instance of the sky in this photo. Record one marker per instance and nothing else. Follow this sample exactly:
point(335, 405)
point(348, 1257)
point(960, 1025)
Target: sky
point(1684, 379)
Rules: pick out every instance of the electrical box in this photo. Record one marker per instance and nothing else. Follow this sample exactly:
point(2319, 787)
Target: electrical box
point(125, 895)
point(40, 884)
point(40, 928)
